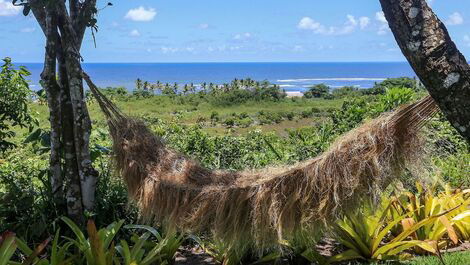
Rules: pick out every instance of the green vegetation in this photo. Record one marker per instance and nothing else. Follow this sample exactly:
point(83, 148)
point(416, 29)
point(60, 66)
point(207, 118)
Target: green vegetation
point(231, 128)
point(14, 96)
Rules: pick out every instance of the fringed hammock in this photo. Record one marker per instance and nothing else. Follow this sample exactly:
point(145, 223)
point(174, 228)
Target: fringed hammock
point(270, 205)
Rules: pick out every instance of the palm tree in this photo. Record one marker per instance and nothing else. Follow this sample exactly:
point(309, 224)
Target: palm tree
point(146, 85)
point(138, 84)
point(153, 87)
point(175, 88)
point(192, 88)
point(204, 86)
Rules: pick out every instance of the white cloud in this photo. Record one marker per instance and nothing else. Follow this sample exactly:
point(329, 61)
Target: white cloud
point(204, 26)
point(141, 14)
point(364, 22)
point(27, 30)
point(8, 9)
point(455, 19)
point(134, 33)
point(383, 28)
point(380, 16)
point(466, 39)
point(298, 48)
point(307, 23)
point(165, 49)
point(243, 36)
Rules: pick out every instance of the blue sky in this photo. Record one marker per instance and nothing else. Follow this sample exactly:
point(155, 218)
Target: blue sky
point(233, 31)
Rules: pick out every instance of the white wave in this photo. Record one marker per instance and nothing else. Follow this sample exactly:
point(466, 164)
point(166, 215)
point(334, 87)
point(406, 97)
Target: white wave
point(287, 86)
point(331, 79)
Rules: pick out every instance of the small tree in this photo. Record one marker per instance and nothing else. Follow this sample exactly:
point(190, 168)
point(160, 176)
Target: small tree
point(14, 99)
point(138, 84)
point(64, 23)
point(317, 91)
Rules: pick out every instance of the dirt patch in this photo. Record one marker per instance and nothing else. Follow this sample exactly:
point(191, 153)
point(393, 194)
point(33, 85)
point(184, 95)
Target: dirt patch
point(193, 256)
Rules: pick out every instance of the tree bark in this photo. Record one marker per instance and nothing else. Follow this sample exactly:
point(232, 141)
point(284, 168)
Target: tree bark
point(53, 96)
point(70, 121)
point(82, 124)
point(427, 46)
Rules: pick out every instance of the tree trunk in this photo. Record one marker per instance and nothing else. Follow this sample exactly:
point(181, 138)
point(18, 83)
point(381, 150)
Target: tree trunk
point(427, 46)
point(70, 163)
point(52, 89)
point(82, 124)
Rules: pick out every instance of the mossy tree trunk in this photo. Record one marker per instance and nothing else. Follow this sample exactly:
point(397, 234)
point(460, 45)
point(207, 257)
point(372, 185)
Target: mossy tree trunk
point(427, 46)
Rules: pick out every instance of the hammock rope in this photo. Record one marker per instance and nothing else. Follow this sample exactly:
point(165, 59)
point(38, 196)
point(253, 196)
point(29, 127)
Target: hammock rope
point(269, 205)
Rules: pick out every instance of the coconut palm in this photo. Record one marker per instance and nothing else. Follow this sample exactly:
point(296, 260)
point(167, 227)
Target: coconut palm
point(138, 84)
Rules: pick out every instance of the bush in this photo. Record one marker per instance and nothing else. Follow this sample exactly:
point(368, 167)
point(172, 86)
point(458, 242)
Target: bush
point(215, 117)
point(394, 97)
point(268, 117)
point(14, 99)
point(346, 91)
point(142, 94)
point(317, 91)
point(404, 82)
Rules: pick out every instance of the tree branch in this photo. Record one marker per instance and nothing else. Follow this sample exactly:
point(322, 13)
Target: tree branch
point(39, 12)
point(87, 10)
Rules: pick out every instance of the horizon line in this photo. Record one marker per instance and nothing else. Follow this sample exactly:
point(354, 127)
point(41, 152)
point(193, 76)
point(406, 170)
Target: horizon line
point(240, 62)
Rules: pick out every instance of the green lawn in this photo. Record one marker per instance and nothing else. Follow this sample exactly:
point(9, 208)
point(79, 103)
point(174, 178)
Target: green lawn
point(457, 258)
point(165, 108)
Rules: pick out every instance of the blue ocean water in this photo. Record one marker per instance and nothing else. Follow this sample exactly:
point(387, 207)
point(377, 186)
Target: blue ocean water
point(290, 76)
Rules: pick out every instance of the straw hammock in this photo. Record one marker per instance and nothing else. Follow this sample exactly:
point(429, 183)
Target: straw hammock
point(270, 205)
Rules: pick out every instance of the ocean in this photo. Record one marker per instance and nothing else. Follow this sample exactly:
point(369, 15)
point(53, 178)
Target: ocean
point(290, 76)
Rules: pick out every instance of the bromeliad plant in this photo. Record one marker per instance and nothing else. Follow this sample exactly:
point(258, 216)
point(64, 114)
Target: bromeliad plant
point(137, 254)
point(427, 221)
point(59, 253)
point(7, 247)
point(364, 231)
point(164, 246)
point(9, 244)
point(450, 206)
point(98, 248)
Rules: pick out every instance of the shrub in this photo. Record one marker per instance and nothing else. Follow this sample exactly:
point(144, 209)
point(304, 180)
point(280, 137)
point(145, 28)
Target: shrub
point(230, 121)
point(14, 99)
point(215, 117)
point(317, 91)
point(393, 98)
point(405, 82)
point(290, 115)
point(142, 94)
point(346, 91)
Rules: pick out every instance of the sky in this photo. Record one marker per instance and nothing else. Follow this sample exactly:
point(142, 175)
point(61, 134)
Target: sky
point(233, 31)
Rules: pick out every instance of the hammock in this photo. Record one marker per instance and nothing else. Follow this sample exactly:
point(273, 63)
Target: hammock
point(263, 206)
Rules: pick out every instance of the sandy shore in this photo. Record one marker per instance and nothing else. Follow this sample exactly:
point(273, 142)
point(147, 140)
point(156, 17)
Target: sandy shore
point(291, 94)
